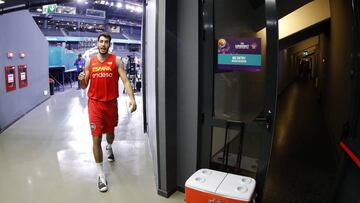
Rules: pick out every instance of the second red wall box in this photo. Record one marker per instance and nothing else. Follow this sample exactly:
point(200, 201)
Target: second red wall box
point(23, 76)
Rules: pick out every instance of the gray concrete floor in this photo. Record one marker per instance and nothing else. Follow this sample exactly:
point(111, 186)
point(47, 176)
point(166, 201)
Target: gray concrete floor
point(303, 162)
point(46, 156)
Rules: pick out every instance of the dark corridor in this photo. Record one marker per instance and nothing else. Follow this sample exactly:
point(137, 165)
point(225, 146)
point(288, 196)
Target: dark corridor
point(302, 165)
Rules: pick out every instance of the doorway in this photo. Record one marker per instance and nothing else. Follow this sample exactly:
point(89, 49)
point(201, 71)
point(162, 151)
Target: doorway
point(238, 86)
point(303, 155)
point(241, 101)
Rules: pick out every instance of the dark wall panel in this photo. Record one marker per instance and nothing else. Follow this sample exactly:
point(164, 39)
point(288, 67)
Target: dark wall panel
point(187, 89)
point(337, 90)
point(343, 42)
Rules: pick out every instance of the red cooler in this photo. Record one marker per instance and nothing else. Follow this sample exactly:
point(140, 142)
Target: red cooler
point(211, 186)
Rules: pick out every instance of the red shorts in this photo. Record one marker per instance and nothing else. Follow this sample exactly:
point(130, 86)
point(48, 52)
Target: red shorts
point(103, 116)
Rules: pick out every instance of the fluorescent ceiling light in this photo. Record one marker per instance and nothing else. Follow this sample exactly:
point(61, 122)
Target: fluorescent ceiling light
point(139, 9)
point(2, 2)
point(129, 7)
point(119, 5)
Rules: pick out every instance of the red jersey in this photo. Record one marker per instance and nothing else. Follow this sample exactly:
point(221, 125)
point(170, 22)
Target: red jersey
point(104, 79)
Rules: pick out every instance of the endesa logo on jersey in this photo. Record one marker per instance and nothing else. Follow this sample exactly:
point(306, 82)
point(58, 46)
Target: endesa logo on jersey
point(101, 72)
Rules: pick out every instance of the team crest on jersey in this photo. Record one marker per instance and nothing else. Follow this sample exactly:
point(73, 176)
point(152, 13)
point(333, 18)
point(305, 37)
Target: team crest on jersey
point(92, 126)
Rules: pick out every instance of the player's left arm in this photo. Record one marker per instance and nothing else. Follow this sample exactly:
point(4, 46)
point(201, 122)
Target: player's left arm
point(126, 83)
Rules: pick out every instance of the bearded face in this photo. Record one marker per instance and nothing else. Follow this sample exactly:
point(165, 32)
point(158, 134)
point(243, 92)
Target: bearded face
point(103, 45)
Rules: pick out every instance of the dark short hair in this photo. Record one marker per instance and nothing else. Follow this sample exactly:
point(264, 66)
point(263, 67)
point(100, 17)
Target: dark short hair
point(104, 34)
point(79, 55)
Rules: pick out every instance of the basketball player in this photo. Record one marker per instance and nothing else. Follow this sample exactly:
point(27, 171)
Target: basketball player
point(103, 72)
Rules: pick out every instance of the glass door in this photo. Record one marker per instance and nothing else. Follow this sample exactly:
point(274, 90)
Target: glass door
point(239, 48)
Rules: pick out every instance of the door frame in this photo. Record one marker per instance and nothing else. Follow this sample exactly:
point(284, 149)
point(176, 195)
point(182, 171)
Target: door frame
point(207, 54)
point(143, 72)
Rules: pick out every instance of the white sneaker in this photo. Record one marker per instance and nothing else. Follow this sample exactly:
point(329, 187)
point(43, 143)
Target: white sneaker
point(102, 184)
point(110, 154)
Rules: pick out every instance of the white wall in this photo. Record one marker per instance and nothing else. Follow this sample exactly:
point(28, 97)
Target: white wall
point(19, 33)
point(150, 68)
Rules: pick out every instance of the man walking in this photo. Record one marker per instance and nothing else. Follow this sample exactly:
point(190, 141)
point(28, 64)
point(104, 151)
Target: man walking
point(103, 72)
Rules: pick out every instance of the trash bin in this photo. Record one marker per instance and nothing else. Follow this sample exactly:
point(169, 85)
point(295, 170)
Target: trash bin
point(51, 84)
point(207, 185)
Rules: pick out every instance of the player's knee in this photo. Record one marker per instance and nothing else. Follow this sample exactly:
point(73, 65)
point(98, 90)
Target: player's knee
point(97, 141)
point(110, 135)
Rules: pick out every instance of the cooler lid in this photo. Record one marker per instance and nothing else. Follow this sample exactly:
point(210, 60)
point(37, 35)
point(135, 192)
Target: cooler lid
point(205, 180)
point(237, 187)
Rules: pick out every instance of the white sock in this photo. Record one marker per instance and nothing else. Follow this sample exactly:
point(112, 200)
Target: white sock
point(108, 146)
point(100, 170)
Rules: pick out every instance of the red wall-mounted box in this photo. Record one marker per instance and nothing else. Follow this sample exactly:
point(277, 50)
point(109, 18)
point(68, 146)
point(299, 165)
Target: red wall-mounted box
point(10, 78)
point(23, 76)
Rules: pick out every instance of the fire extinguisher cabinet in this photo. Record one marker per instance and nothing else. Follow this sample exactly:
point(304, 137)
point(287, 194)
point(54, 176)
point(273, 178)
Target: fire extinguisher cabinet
point(207, 185)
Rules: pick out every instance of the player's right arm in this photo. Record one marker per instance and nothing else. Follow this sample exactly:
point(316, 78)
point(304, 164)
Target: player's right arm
point(85, 76)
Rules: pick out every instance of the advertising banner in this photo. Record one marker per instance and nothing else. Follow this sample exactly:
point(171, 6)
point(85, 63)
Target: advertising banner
point(241, 54)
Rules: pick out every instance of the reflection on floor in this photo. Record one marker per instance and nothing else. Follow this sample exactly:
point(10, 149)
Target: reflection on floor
point(302, 165)
point(46, 156)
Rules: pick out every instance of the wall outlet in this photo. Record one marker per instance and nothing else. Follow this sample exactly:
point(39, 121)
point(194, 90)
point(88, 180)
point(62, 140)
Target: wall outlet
point(45, 92)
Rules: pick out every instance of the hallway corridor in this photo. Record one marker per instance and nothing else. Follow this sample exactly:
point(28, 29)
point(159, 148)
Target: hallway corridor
point(46, 156)
point(302, 165)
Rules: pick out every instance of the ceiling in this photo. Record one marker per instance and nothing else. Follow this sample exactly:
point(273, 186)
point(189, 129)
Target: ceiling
point(14, 5)
point(284, 6)
point(9, 4)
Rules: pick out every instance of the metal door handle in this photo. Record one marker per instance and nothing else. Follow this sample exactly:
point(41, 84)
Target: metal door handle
point(268, 121)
